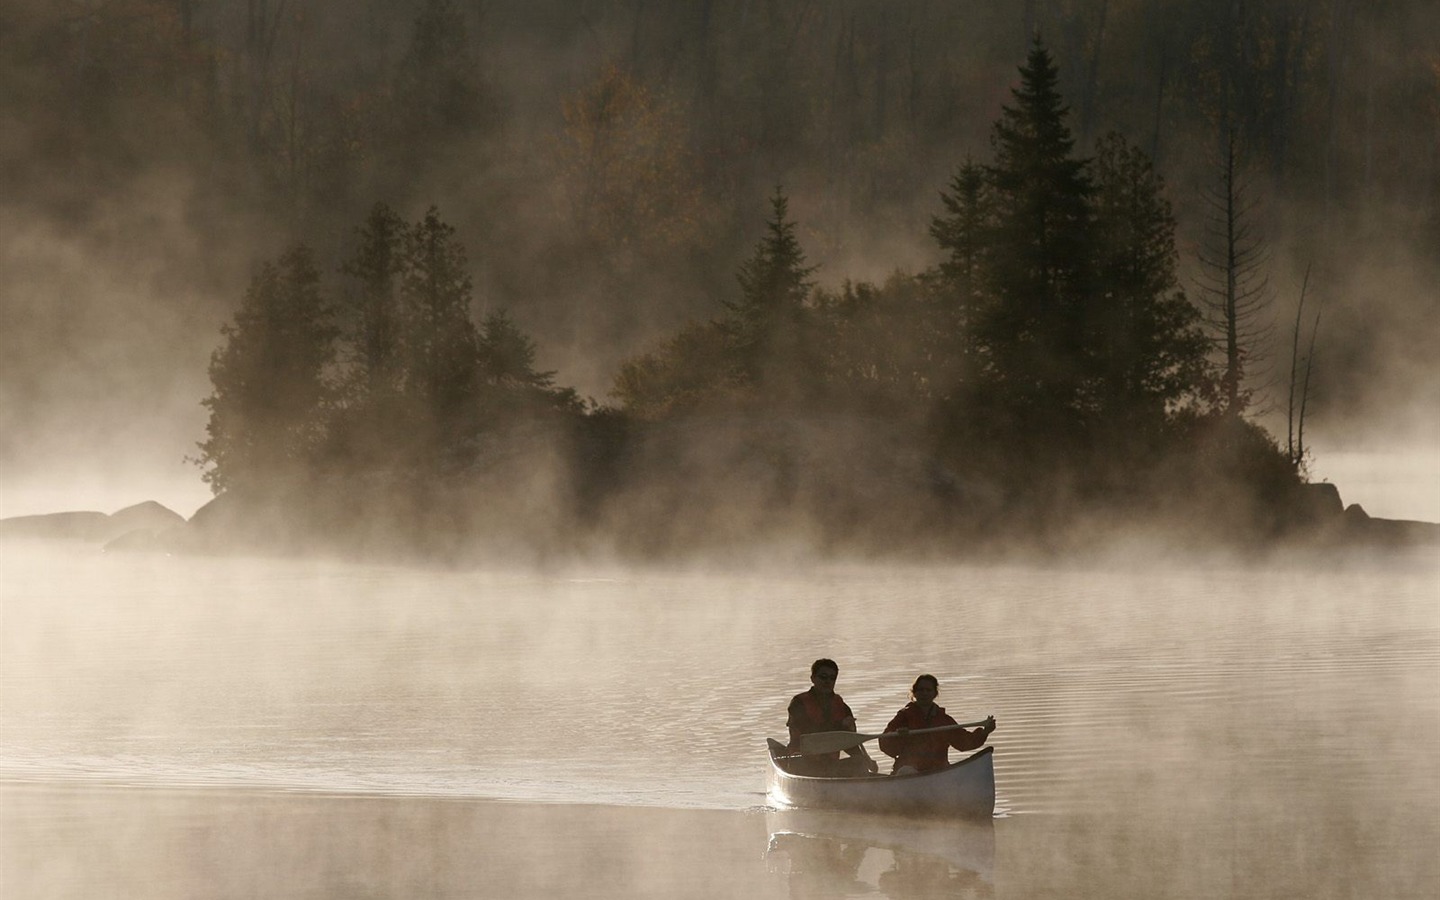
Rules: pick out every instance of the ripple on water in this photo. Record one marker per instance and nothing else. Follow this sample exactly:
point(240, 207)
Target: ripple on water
point(660, 689)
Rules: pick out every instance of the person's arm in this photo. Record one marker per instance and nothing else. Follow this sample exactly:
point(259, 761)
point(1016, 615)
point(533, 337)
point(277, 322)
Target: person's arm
point(894, 746)
point(971, 740)
point(848, 724)
point(793, 720)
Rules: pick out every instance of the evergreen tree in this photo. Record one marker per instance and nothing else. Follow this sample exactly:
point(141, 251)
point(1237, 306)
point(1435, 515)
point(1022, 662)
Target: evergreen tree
point(766, 324)
point(373, 314)
point(372, 416)
point(965, 233)
point(507, 369)
point(1151, 351)
point(507, 355)
point(270, 390)
point(441, 342)
point(1032, 331)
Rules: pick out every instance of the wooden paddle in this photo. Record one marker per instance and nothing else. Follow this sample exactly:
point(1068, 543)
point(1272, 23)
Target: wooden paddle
point(833, 741)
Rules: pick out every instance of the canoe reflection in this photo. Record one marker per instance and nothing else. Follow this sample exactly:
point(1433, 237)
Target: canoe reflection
point(837, 854)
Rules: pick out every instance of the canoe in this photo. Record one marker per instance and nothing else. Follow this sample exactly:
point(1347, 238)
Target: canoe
point(965, 788)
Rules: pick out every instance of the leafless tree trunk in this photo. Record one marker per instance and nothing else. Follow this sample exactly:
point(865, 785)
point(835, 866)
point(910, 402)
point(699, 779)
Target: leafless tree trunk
point(1290, 407)
point(1233, 287)
point(1305, 389)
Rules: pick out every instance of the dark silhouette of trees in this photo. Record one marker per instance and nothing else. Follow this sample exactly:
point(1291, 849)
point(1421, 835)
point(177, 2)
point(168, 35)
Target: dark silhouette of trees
point(767, 325)
point(372, 415)
point(763, 350)
point(1152, 352)
point(267, 410)
point(374, 323)
point(441, 342)
point(1033, 331)
point(396, 378)
point(687, 372)
point(1049, 354)
point(885, 346)
point(509, 381)
point(1066, 342)
point(965, 234)
point(1233, 283)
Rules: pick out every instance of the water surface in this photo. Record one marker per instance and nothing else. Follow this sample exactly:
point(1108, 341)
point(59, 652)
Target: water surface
point(1193, 730)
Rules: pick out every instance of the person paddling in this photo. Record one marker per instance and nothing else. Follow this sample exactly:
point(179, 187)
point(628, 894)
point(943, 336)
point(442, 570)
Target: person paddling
point(927, 752)
point(821, 709)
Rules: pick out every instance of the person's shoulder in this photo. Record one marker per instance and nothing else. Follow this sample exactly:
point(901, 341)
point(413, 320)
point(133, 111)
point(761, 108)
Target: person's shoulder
point(798, 698)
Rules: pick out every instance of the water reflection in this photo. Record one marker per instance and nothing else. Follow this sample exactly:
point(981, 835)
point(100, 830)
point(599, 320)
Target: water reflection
point(826, 854)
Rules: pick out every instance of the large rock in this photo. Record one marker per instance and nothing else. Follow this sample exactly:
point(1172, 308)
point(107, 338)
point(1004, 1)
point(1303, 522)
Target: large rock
point(149, 518)
point(62, 526)
point(1319, 501)
point(1366, 530)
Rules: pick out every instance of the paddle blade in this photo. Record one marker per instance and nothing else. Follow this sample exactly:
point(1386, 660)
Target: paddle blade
point(831, 741)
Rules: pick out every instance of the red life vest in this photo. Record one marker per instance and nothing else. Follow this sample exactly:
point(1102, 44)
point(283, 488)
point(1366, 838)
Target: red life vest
point(810, 713)
point(927, 752)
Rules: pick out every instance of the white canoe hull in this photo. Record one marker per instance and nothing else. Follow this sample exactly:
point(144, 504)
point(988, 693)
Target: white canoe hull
point(965, 789)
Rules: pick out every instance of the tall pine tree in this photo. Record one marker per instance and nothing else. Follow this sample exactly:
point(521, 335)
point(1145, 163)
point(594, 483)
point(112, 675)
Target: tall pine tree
point(1032, 331)
point(965, 233)
point(766, 326)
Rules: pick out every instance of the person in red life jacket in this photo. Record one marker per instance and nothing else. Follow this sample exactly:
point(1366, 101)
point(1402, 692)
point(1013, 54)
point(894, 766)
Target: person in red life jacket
point(927, 752)
point(821, 709)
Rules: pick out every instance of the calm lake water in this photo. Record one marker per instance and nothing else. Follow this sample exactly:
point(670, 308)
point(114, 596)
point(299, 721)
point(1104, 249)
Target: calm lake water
point(177, 727)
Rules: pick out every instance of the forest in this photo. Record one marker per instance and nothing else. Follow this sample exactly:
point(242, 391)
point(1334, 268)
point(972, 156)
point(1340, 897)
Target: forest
point(861, 276)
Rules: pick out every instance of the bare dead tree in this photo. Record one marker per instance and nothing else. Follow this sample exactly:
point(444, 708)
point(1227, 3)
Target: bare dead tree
point(1290, 406)
point(1233, 284)
point(1305, 387)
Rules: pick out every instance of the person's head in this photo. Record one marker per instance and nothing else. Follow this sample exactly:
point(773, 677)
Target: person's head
point(925, 689)
point(823, 673)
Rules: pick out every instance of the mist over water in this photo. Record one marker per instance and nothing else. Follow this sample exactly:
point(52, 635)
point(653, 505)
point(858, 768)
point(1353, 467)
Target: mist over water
point(1283, 719)
point(196, 727)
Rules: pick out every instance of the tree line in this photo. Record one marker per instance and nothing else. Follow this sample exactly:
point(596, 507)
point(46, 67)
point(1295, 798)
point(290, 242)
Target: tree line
point(1051, 355)
point(551, 127)
point(388, 370)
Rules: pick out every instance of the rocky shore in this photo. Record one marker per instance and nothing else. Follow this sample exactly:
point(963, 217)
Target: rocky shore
point(1316, 517)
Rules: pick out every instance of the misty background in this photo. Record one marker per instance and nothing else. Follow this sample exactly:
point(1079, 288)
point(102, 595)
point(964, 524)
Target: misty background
point(607, 166)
